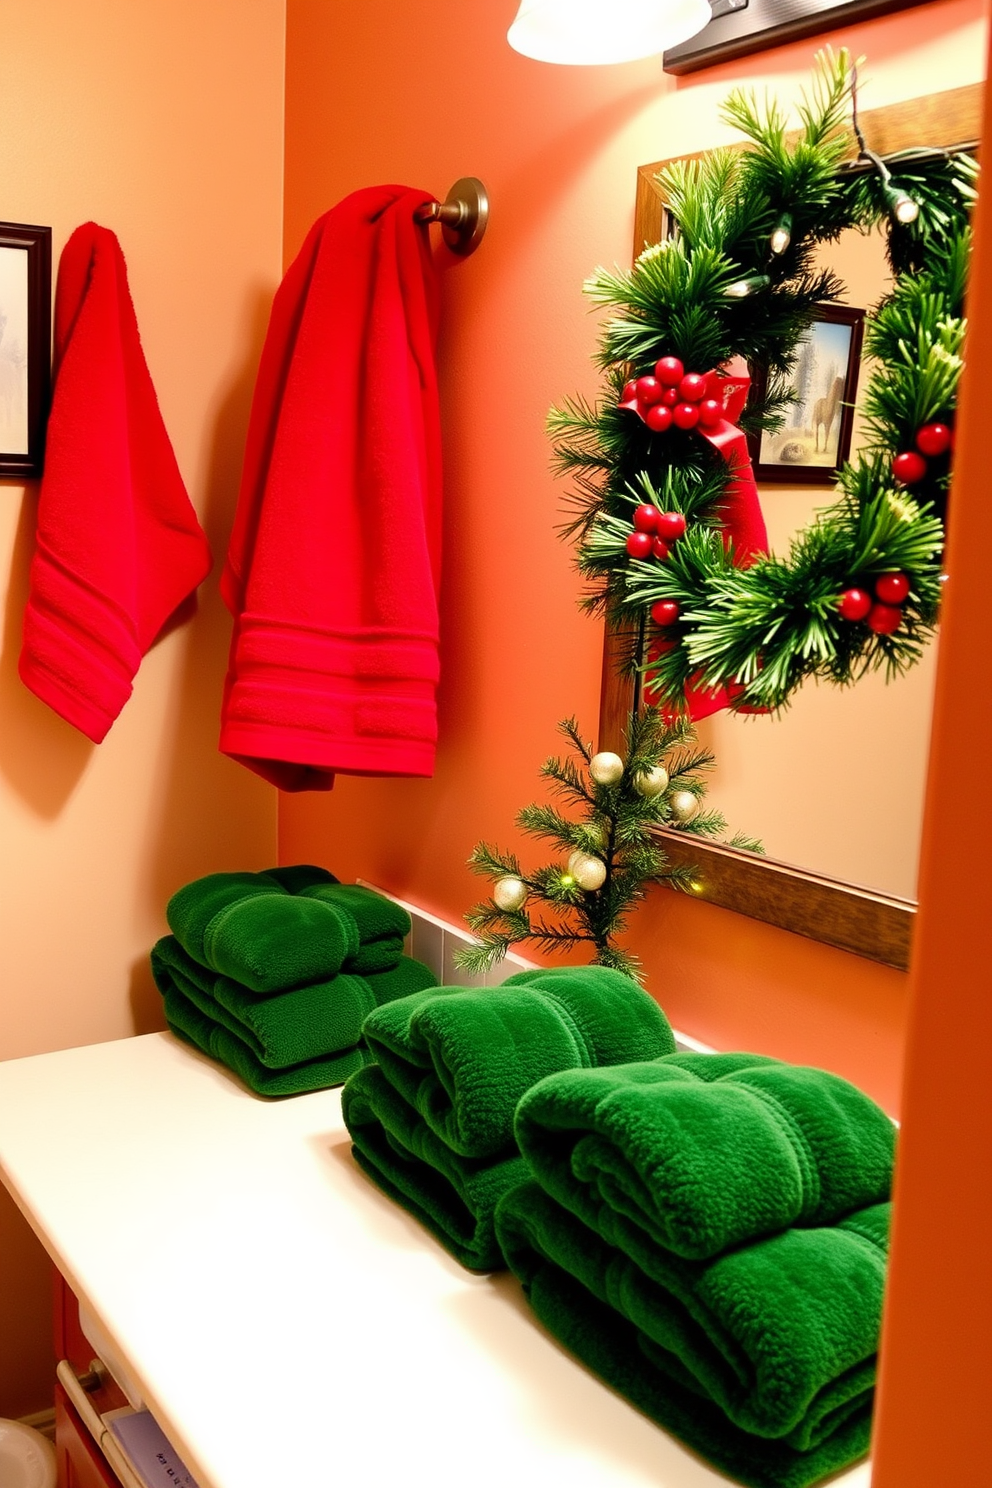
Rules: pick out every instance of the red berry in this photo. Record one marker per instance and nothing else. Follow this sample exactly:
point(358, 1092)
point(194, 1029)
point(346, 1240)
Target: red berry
point(664, 612)
point(933, 439)
point(884, 619)
point(686, 415)
point(658, 418)
point(670, 371)
point(854, 604)
point(692, 387)
point(710, 412)
point(646, 518)
point(659, 549)
point(909, 467)
point(670, 396)
point(629, 394)
point(648, 390)
point(891, 588)
point(639, 544)
point(670, 526)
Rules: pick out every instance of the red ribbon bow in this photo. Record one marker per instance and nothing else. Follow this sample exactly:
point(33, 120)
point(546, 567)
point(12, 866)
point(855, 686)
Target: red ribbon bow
point(741, 517)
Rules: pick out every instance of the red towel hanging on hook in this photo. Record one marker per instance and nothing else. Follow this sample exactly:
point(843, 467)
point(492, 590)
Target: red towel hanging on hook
point(334, 563)
point(118, 546)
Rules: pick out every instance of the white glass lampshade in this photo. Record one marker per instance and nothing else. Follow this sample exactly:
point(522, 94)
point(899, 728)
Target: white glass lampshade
point(597, 31)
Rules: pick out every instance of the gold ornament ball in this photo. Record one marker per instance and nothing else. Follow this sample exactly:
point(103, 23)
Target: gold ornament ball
point(578, 856)
point(606, 768)
point(651, 783)
point(509, 894)
point(683, 805)
point(589, 872)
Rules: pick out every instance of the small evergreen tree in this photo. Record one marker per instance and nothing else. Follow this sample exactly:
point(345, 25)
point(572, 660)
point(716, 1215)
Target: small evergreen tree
point(607, 830)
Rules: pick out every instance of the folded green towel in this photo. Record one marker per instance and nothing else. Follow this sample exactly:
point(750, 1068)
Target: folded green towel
point(455, 1197)
point(462, 1058)
point(270, 942)
point(707, 1151)
point(377, 918)
point(192, 907)
point(376, 955)
point(762, 1359)
point(189, 1023)
point(310, 1022)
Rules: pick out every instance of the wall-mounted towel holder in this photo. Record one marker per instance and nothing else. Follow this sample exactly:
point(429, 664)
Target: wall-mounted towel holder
point(463, 215)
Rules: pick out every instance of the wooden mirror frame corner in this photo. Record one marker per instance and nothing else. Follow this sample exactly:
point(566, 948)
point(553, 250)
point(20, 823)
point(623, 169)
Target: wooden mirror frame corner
point(868, 923)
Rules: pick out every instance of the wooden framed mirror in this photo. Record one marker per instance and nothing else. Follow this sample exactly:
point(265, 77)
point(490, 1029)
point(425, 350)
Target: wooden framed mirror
point(838, 910)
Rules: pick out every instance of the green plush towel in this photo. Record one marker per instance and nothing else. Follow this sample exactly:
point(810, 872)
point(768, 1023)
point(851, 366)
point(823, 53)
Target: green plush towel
point(462, 1058)
point(455, 1197)
point(304, 1023)
point(376, 955)
point(188, 1022)
point(377, 918)
point(706, 1151)
point(270, 942)
point(762, 1359)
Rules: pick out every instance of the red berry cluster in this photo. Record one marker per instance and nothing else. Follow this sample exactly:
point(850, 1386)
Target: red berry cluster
point(932, 440)
point(672, 396)
point(882, 611)
point(654, 532)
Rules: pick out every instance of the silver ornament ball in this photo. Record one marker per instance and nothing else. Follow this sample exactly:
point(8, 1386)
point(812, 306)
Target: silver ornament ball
point(589, 872)
point(683, 805)
point(606, 768)
point(651, 783)
point(509, 894)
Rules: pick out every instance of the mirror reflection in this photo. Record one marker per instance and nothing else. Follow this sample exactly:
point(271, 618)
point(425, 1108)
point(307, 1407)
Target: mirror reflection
point(835, 783)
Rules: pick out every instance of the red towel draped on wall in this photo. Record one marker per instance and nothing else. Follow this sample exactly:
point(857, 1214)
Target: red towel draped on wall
point(333, 568)
point(118, 545)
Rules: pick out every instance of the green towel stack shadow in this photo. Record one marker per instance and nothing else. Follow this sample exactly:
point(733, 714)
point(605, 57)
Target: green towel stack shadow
point(432, 1118)
point(708, 1233)
point(274, 973)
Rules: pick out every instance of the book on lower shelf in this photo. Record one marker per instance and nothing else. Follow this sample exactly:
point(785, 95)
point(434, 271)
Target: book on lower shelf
point(149, 1453)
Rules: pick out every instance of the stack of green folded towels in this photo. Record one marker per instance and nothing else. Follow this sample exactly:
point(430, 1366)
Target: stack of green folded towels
point(431, 1118)
point(274, 973)
point(708, 1233)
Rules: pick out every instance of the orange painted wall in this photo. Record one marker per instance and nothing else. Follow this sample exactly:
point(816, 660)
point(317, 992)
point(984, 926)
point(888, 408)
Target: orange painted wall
point(164, 122)
point(424, 93)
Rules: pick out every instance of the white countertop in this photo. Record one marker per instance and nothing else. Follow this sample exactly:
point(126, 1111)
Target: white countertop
point(288, 1325)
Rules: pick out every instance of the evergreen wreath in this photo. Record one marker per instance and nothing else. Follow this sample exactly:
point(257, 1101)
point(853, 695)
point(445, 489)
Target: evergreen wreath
point(613, 853)
point(651, 490)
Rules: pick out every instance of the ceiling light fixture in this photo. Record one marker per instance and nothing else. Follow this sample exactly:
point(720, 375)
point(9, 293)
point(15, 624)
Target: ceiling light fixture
point(589, 32)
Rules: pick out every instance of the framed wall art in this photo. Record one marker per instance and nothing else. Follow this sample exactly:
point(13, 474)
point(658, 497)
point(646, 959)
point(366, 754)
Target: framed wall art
point(738, 27)
point(815, 437)
point(25, 345)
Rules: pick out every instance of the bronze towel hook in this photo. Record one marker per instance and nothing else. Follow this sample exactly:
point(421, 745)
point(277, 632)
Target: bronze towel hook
point(463, 215)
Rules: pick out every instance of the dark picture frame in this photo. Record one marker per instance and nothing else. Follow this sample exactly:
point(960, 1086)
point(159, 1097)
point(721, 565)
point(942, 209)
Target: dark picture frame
point(826, 378)
point(741, 27)
point(25, 346)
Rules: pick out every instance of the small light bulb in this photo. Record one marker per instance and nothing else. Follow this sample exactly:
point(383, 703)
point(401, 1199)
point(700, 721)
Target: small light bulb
point(905, 209)
point(696, 887)
point(567, 881)
point(781, 235)
point(741, 288)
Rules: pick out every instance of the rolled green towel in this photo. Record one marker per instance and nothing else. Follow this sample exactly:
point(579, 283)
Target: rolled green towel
point(375, 955)
point(190, 1024)
point(272, 942)
point(192, 907)
point(454, 1197)
point(762, 1359)
point(377, 917)
point(310, 1022)
point(462, 1058)
point(707, 1151)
